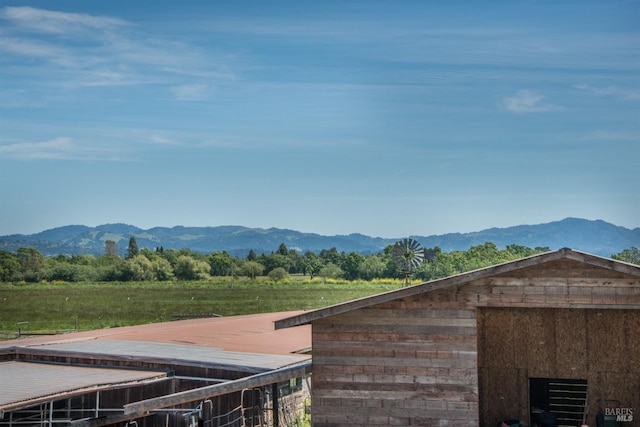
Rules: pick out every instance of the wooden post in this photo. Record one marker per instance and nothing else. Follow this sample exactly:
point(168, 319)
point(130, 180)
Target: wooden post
point(274, 404)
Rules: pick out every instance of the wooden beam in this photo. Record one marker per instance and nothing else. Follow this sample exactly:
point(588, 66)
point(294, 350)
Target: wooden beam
point(258, 380)
point(274, 404)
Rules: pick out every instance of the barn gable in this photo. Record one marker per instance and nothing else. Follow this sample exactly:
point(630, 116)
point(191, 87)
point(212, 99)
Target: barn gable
point(467, 349)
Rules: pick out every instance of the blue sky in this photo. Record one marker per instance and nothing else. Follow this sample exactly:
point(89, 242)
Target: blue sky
point(383, 118)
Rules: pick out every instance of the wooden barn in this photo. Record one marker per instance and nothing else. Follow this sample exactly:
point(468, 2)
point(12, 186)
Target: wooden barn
point(552, 334)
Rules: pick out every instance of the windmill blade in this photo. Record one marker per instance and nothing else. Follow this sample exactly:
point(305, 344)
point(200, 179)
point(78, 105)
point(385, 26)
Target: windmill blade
point(413, 245)
point(407, 254)
point(415, 263)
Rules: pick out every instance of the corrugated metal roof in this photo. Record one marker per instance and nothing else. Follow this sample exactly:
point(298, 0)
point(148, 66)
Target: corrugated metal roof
point(175, 352)
point(252, 333)
point(25, 383)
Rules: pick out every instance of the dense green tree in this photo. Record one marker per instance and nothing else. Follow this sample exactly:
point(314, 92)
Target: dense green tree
point(519, 251)
point(351, 265)
point(30, 259)
point(391, 269)
point(87, 260)
point(444, 265)
point(195, 255)
point(311, 264)
point(296, 262)
point(221, 263)
point(107, 260)
point(188, 268)
point(171, 255)
point(9, 266)
point(483, 255)
point(109, 272)
point(251, 256)
point(132, 249)
point(330, 271)
point(274, 260)
point(139, 268)
point(31, 264)
point(252, 269)
point(330, 256)
point(63, 271)
point(151, 255)
point(282, 249)
point(70, 272)
point(162, 269)
point(373, 267)
point(630, 255)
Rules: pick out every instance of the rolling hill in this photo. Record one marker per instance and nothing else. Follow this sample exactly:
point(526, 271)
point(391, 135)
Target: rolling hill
point(596, 237)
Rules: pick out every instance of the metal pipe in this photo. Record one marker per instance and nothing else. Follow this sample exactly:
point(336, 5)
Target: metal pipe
point(97, 404)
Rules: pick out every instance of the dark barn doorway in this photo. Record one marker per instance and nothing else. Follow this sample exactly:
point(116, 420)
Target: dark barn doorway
point(554, 401)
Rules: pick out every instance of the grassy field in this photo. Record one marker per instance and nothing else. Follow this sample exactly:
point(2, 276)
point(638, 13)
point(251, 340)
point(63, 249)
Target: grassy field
point(59, 307)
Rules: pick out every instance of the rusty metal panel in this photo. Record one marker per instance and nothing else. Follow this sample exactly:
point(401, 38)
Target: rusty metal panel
point(175, 352)
point(26, 383)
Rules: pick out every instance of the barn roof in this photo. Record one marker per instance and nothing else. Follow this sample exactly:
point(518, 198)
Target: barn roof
point(460, 279)
point(26, 383)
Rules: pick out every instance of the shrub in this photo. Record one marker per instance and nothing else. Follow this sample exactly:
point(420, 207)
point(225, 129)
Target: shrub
point(278, 274)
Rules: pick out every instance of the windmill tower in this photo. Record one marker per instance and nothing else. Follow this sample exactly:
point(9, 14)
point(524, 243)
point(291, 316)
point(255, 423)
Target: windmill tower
point(408, 255)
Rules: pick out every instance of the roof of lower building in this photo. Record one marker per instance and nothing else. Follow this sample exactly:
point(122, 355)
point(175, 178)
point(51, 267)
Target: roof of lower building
point(217, 338)
point(238, 343)
point(163, 352)
point(26, 383)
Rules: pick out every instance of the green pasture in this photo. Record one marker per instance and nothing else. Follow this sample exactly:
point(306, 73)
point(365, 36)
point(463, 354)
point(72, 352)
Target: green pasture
point(59, 307)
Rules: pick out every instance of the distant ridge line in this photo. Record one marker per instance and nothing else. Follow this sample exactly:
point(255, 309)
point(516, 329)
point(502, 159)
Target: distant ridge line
point(593, 236)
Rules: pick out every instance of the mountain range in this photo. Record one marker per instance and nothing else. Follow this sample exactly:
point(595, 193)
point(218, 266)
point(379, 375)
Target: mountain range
point(594, 236)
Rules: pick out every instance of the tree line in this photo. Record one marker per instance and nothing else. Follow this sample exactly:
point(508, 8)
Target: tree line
point(29, 266)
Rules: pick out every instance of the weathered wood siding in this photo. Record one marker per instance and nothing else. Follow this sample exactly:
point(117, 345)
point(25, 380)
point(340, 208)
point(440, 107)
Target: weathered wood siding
point(560, 284)
point(413, 361)
point(395, 364)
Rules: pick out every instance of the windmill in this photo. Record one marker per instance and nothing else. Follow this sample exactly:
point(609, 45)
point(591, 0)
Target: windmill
point(408, 255)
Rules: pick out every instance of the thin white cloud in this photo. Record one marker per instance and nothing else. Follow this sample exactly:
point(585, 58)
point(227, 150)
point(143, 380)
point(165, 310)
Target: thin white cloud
point(162, 140)
point(58, 148)
point(526, 101)
point(62, 58)
point(614, 91)
point(191, 92)
point(61, 148)
point(57, 22)
point(106, 52)
point(30, 48)
point(106, 77)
